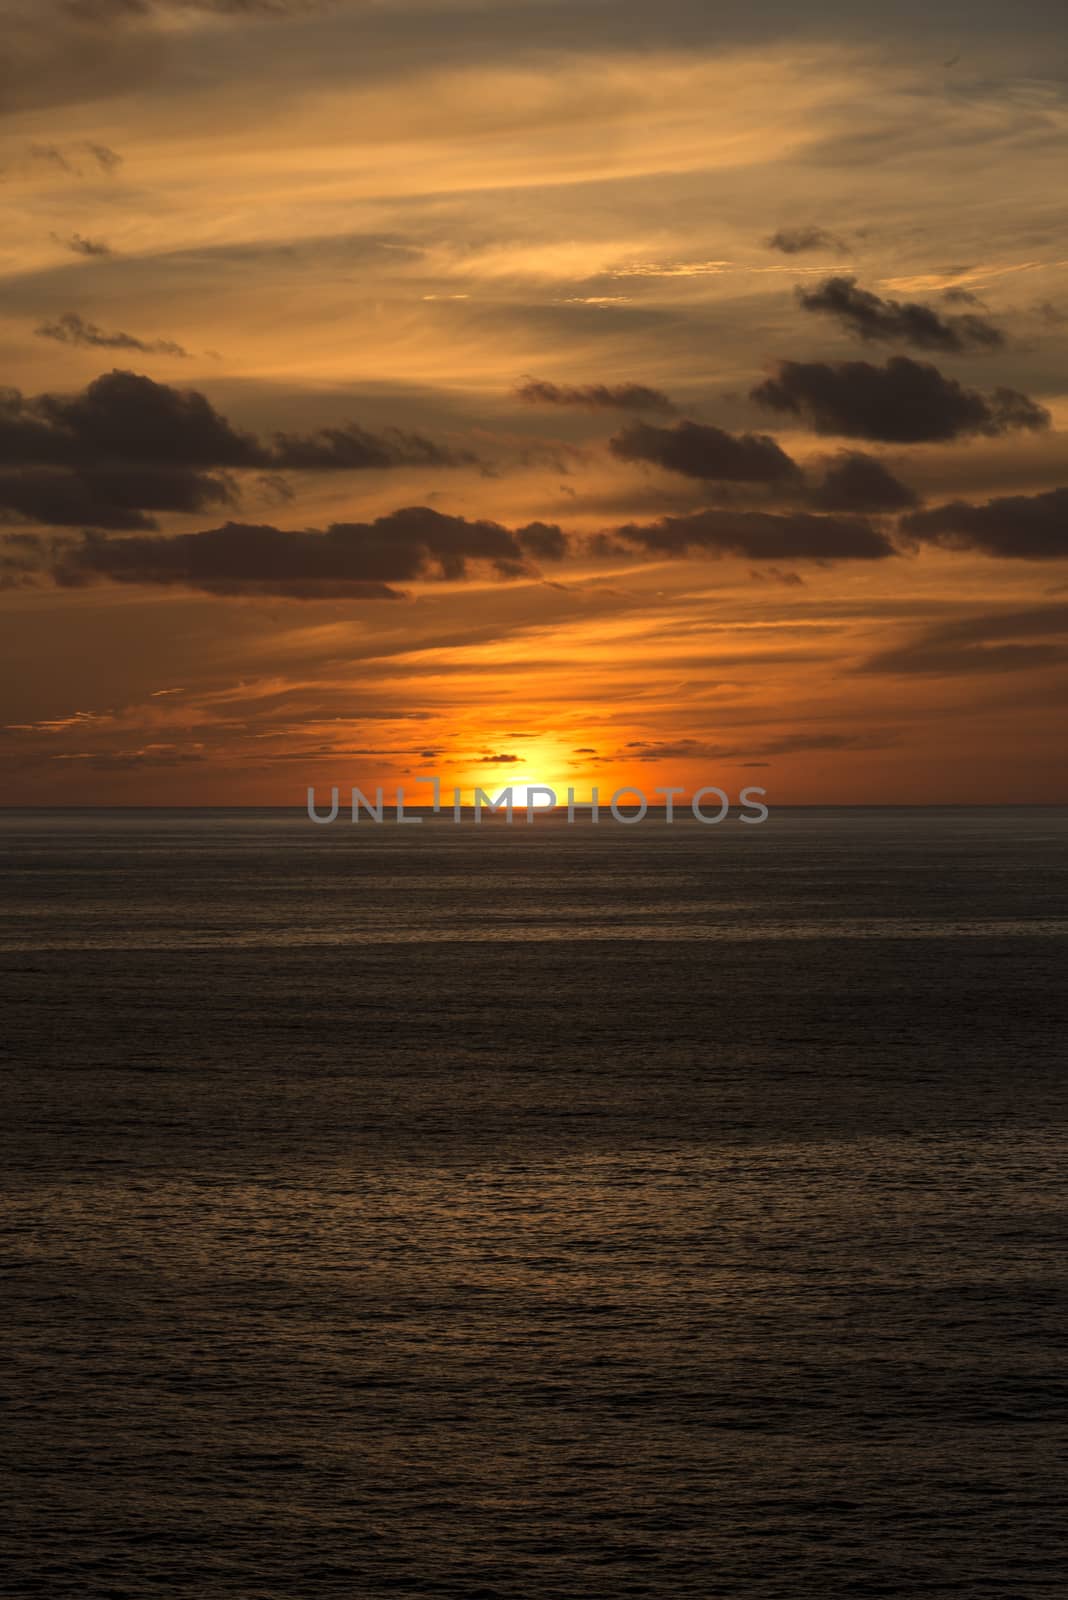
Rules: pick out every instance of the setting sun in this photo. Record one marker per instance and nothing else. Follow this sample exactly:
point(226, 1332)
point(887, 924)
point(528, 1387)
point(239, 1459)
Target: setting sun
point(528, 792)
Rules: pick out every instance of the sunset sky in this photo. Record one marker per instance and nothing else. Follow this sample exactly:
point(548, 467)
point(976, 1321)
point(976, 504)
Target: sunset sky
point(597, 392)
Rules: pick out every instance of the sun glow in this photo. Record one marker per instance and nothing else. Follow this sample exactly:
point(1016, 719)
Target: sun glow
point(526, 791)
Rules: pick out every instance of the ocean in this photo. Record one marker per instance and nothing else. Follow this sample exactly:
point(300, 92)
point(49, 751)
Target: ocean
point(534, 1213)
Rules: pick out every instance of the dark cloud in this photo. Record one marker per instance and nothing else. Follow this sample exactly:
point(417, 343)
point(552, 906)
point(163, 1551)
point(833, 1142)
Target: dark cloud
point(361, 560)
point(72, 158)
point(367, 560)
point(789, 580)
point(126, 433)
point(1020, 527)
point(795, 743)
point(255, 8)
point(796, 241)
point(761, 536)
point(73, 52)
point(789, 744)
point(854, 481)
point(153, 755)
point(107, 159)
point(119, 11)
point(50, 155)
point(667, 750)
point(107, 497)
point(160, 488)
point(70, 328)
point(898, 321)
point(596, 396)
point(105, 10)
point(275, 489)
point(62, 500)
point(353, 449)
point(544, 541)
point(499, 761)
point(84, 247)
point(127, 46)
point(697, 451)
point(125, 417)
point(904, 402)
point(1012, 641)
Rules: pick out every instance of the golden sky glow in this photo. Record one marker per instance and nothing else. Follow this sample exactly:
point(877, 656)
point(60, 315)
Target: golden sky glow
point(400, 216)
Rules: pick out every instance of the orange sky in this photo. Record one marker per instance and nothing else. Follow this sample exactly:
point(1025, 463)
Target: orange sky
point(397, 215)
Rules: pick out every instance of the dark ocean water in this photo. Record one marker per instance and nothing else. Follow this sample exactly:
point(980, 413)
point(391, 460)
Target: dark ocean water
point(534, 1214)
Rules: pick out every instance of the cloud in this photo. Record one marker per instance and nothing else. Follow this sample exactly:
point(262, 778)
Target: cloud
point(118, 11)
point(544, 541)
point(107, 497)
point(105, 10)
point(84, 247)
point(499, 761)
point(898, 321)
point(70, 328)
point(107, 159)
point(854, 481)
point(358, 560)
point(62, 452)
point(78, 52)
point(762, 536)
point(596, 396)
point(153, 755)
point(788, 744)
point(789, 580)
point(275, 489)
point(796, 241)
point(123, 447)
point(904, 402)
point(697, 451)
point(353, 449)
point(665, 750)
point(1019, 527)
point(125, 417)
point(69, 158)
point(62, 500)
point(670, 269)
point(367, 560)
point(50, 155)
point(1012, 641)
